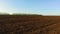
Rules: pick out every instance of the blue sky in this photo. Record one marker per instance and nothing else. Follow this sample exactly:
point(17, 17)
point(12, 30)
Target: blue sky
point(44, 7)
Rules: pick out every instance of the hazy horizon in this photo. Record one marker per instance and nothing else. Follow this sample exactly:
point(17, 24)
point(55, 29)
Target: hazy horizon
point(43, 7)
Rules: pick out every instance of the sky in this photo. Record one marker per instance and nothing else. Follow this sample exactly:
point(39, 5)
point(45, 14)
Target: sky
point(44, 7)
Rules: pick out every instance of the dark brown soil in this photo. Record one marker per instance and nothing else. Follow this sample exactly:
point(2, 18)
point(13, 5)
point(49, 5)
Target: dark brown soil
point(29, 24)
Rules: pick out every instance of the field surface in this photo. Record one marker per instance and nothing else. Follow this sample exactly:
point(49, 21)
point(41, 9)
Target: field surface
point(29, 24)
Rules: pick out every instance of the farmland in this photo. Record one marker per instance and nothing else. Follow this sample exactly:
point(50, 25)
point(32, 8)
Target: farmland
point(29, 24)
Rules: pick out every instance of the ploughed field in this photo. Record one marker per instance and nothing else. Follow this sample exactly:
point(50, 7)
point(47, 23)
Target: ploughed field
point(29, 24)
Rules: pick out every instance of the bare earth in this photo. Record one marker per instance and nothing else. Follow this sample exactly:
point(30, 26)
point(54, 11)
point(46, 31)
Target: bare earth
point(29, 24)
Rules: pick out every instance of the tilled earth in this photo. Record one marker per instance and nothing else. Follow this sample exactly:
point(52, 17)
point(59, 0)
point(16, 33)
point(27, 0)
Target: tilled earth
point(29, 25)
